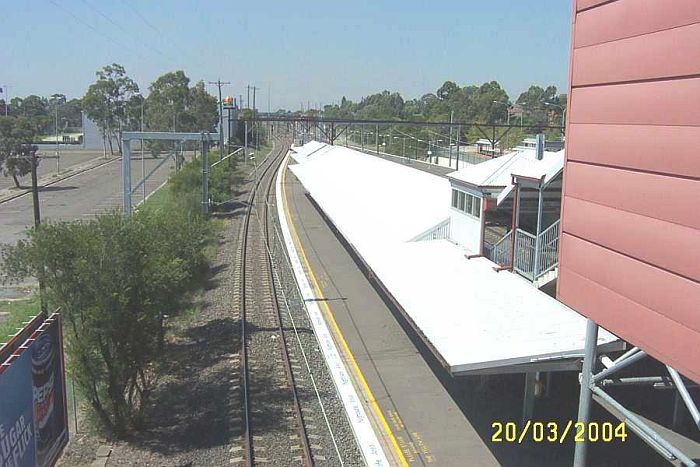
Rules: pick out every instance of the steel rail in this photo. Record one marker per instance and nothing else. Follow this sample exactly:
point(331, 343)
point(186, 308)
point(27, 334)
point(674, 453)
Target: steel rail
point(245, 374)
point(274, 161)
point(303, 435)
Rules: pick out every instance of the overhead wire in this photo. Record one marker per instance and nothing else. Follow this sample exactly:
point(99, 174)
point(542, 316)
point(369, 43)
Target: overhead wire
point(94, 29)
point(125, 31)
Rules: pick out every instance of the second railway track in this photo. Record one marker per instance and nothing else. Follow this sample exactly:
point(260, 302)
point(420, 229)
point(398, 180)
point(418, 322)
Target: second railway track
point(279, 422)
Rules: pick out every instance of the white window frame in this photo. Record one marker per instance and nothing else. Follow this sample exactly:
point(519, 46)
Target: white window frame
point(466, 203)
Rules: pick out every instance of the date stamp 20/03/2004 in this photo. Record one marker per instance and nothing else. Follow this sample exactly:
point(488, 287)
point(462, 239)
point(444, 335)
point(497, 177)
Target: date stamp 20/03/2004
point(555, 432)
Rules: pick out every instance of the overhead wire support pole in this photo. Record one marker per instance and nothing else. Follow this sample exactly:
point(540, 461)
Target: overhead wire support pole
point(220, 83)
point(205, 175)
point(126, 177)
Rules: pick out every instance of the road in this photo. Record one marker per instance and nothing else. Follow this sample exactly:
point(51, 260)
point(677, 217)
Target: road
point(69, 158)
point(77, 197)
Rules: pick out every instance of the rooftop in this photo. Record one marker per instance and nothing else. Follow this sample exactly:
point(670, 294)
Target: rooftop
point(473, 317)
point(498, 172)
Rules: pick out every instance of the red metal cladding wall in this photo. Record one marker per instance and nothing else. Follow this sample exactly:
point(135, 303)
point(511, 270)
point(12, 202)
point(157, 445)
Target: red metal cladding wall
point(630, 247)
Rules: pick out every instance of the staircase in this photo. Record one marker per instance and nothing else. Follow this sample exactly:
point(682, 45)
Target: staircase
point(536, 257)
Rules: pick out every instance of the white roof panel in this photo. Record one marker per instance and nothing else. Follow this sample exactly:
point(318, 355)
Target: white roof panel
point(374, 200)
point(474, 317)
point(498, 172)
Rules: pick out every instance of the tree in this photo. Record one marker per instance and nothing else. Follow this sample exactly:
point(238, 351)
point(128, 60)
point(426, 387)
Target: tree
point(533, 101)
point(106, 101)
point(203, 109)
point(172, 105)
point(71, 114)
point(113, 278)
point(168, 98)
point(16, 148)
point(447, 90)
point(485, 100)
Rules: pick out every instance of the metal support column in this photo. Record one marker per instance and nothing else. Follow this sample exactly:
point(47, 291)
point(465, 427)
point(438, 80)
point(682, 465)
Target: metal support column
point(362, 137)
point(459, 132)
point(586, 381)
point(245, 145)
point(205, 176)
point(529, 397)
point(514, 223)
point(538, 246)
point(376, 140)
point(126, 177)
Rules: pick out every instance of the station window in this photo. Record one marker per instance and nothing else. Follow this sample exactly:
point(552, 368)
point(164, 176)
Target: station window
point(467, 203)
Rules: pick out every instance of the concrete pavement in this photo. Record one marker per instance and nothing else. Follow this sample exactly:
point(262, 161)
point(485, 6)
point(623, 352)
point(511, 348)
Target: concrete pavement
point(70, 160)
point(77, 197)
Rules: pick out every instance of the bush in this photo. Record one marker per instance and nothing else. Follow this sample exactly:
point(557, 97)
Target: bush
point(114, 279)
point(188, 180)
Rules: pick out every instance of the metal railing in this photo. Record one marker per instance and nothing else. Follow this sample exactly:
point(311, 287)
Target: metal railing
point(500, 252)
point(549, 250)
point(534, 257)
point(524, 262)
point(437, 232)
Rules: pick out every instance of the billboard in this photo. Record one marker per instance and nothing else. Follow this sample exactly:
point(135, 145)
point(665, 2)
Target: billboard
point(33, 412)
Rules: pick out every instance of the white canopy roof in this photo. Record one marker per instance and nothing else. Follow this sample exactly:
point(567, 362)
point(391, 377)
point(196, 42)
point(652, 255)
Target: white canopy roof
point(498, 172)
point(474, 317)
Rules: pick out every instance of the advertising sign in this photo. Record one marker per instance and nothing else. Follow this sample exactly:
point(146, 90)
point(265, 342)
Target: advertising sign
point(17, 444)
point(33, 416)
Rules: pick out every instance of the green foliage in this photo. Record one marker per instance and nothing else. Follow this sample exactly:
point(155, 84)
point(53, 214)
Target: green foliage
point(172, 105)
point(41, 112)
point(16, 148)
point(186, 184)
point(18, 312)
point(114, 279)
point(486, 104)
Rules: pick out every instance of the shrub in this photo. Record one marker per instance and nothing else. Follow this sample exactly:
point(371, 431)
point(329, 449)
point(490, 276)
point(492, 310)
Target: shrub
point(188, 180)
point(114, 279)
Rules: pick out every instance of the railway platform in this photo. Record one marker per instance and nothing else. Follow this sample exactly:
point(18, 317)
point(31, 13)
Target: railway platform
point(419, 414)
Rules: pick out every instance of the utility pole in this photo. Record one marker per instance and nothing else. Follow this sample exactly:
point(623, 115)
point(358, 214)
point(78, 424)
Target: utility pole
point(220, 83)
point(255, 127)
point(37, 222)
point(247, 102)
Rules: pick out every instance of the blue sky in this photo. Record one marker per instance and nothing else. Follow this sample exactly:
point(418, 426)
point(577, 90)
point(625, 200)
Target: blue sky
point(304, 50)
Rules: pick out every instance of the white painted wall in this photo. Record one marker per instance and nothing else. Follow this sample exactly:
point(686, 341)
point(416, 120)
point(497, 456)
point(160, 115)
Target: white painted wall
point(465, 230)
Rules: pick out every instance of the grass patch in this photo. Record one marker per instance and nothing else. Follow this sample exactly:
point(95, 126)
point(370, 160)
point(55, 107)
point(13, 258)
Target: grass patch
point(14, 313)
point(162, 197)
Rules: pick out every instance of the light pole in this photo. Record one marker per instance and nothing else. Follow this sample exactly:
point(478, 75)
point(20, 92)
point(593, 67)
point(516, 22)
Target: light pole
point(563, 112)
point(507, 110)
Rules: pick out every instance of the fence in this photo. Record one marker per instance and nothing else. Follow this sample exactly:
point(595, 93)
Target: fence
point(534, 256)
point(438, 232)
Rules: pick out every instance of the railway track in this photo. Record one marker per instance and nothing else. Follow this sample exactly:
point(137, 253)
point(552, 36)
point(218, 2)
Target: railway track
point(273, 417)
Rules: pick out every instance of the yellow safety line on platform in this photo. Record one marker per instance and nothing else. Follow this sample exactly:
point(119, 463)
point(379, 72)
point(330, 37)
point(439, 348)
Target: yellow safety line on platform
point(356, 369)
